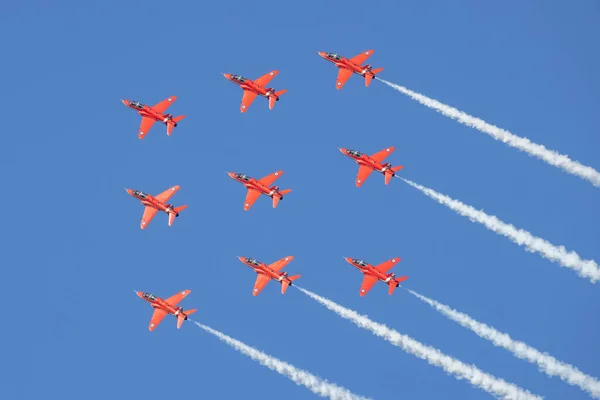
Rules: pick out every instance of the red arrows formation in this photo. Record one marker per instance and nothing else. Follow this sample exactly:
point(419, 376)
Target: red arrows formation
point(263, 186)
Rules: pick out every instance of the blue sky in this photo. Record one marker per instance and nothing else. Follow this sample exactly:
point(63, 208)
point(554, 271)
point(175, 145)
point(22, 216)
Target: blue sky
point(73, 250)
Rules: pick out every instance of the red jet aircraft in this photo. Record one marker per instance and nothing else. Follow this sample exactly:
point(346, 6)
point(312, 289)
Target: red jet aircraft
point(155, 204)
point(350, 66)
point(167, 306)
point(378, 273)
point(155, 113)
point(261, 186)
point(268, 272)
point(256, 88)
point(368, 164)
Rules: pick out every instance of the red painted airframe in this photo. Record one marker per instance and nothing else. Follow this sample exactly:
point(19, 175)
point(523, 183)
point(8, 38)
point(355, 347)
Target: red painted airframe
point(368, 164)
point(268, 272)
point(256, 187)
point(155, 113)
point(349, 66)
point(256, 88)
point(166, 306)
point(154, 204)
point(378, 273)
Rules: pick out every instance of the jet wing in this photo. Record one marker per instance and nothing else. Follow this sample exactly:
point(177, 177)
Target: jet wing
point(269, 179)
point(145, 126)
point(163, 105)
point(367, 284)
point(343, 75)
point(279, 264)
point(381, 155)
point(363, 174)
point(385, 266)
point(167, 194)
point(157, 318)
point(176, 298)
point(261, 282)
point(149, 213)
point(266, 78)
point(251, 197)
point(247, 99)
point(362, 57)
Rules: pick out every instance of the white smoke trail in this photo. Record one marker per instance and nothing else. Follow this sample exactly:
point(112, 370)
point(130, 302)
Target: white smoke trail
point(495, 386)
point(313, 383)
point(545, 362)
point(524, 144)
point(585, 268)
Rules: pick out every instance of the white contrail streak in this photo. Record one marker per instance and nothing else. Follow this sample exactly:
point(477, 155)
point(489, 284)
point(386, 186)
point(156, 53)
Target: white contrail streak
point(585, 268)
point(313, 383)
point(495, 386)
point(524, 144)
point(545, 362)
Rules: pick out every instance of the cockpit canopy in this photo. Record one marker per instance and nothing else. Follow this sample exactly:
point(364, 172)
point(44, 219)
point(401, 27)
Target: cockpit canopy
point(136, 104)
point(355, 153)
point(359, 262)
point(149, 296)
point(253, 261)
point(139, 194)
point(238, 78)
point(243, 177)
point(333, 56)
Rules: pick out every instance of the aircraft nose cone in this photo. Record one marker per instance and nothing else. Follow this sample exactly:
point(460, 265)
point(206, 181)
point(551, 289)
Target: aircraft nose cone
point(342, 150)
point(226, 75)
point(321, 53)
point(348, 259)
point(126, 102)
point(231, 174)
point(141, 294)
point(242, 259)
point(129, 191)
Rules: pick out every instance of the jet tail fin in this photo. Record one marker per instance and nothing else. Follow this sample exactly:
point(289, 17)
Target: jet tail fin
point(273, 99)
point(181, 317)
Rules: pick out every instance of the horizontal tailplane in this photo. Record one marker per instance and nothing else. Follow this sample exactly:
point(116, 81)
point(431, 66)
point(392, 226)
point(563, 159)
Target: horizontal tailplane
point(182, 317)
point(286, 283)
point(173, 123)
point(280, 197)
point(376, 71)
point(391, 287)
point(273, 99)
point(398, 168)
point(180, 208)
point(368, 79)
point(175, 214)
